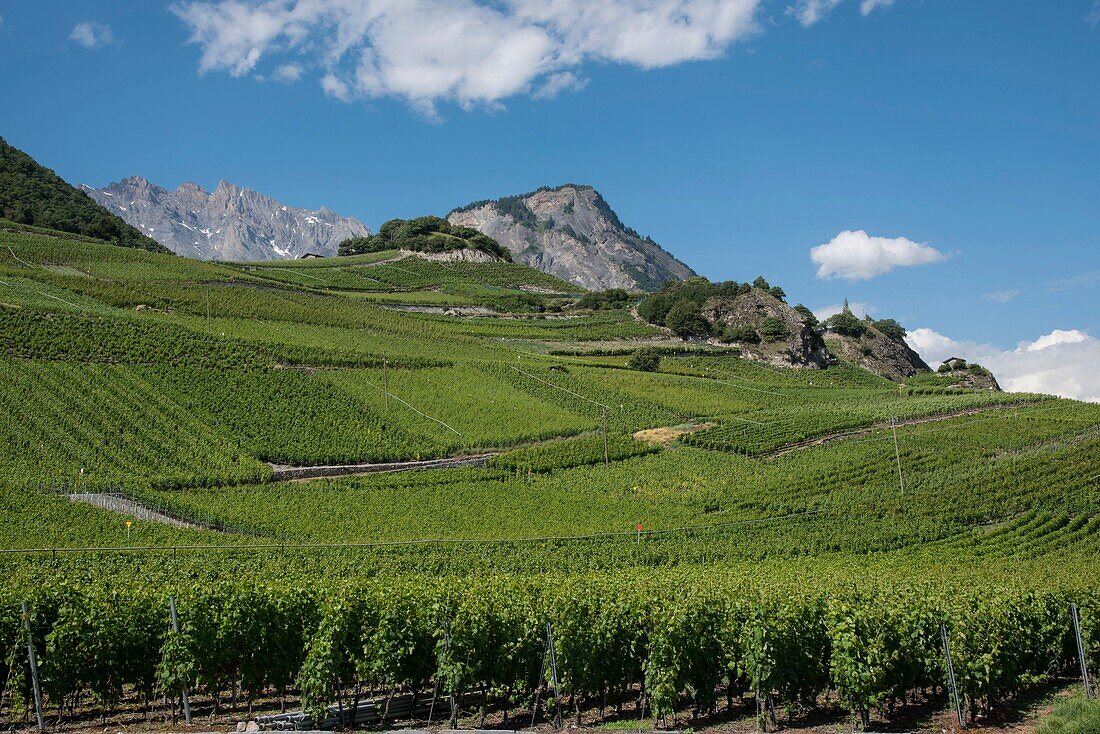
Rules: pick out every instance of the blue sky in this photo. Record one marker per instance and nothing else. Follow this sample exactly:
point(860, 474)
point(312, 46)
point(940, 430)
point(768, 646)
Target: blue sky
point(740, 134)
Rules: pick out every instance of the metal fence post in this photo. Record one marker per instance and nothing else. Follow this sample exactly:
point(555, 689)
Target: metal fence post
point(183, 689)
point(553, 673)
point(34, 668)
point(951, 678)
point(1081, 651)
point(453, 723)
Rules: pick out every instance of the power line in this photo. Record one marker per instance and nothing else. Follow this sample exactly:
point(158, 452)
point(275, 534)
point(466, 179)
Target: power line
point(20, 259)
point(410, 407)
point(559, 387)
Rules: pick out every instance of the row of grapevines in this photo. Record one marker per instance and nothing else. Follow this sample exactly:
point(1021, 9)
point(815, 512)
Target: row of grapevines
point(873, 648)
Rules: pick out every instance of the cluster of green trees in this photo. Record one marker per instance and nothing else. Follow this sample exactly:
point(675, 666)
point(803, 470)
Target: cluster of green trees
point(608, 300)
point(679, 306)
point(847, 323)
point(424, 234)
point(34, 195)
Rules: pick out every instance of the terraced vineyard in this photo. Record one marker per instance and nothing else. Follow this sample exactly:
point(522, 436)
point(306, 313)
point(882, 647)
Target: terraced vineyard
point(783, 549)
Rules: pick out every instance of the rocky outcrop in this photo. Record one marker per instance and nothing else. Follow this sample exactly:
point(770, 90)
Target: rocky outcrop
point(764, 327)
point(571, 232)
point(229, 223)
point(452, 256)
point(878, 353)
point(956, 373)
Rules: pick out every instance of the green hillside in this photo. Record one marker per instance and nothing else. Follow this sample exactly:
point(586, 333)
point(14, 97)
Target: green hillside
point(33, 195)
point(797, 539)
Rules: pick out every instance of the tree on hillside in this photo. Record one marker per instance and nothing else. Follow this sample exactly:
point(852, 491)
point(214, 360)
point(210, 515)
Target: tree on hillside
point(645, 359)
point(424, 234)
point(686, 319)
point(808, 316)
point(846, 324)
point(744, 334)
point(890, 328)
point(33, 194)
point(773, 329)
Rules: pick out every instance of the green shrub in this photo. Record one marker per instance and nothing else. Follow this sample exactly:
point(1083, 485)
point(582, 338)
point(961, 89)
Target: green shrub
point(686, 319)
point(890, 328)
point(846, 324)
point(610, 299)
point(774, 329)
point(807, 315)
point(745, 334)
point(645, 359)
point(424, 234)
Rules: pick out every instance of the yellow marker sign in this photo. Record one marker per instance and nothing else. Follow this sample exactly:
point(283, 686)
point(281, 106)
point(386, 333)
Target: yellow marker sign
point(129, 523)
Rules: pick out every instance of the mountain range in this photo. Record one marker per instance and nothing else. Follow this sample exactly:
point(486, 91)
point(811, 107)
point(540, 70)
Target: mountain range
point(228, 223)
point(569, 231)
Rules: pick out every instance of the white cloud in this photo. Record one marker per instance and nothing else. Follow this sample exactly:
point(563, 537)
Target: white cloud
point(90, 34)
point(288, 73)
point(465, 51)
point(335, 88)
point(1056, 337)
point(562, 81)
point(809, 12)
point(859, 256)
point(867, 6)
point(1062, 362)
point(857, 308)
point(1093, 18)
point(1001, 296)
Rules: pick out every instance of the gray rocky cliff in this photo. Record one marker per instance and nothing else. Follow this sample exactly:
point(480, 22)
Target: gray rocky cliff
point(229, 223)
point(796, 344)
point(878, 353)
point(571, 232)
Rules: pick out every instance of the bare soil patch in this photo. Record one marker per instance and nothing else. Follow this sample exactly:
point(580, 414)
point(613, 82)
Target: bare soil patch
point(666, 435)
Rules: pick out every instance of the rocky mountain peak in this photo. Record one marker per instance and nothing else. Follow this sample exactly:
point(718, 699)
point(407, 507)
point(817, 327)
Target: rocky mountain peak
point(571, 231)
point(873, 346)
point(229, 223)
point(189, 187)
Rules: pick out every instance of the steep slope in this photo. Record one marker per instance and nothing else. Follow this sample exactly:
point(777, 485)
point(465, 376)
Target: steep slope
point(878, 353)
point(765, 327)
point(33, 194)
point(229, 223)
point(877, 346)
point(570, 231)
